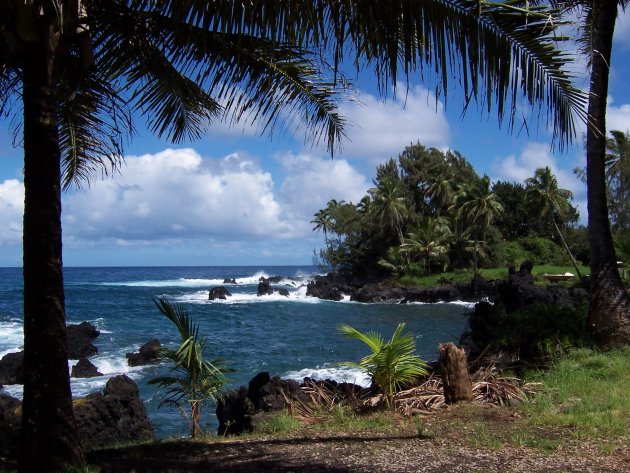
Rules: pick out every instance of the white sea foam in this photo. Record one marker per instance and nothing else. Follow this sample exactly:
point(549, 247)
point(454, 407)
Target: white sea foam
point(109, 365)
point(11, 337)
point(200, 282)
point(201, 297)
point(339, 373)
point(181, 282)
point(469, 305)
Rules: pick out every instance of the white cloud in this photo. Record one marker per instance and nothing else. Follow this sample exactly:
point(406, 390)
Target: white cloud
point(378, 130)
point(536, 155)
point(622, 28)
point(617, 117)
point(312, 181)
point(11, 211)
point(177, 195)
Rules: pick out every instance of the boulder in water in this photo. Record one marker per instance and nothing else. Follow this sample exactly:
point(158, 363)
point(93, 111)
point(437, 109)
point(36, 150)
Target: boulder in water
point(80, 338)
point(149, 352)
point(219, 292)
point(85, 369)
point(12, 368)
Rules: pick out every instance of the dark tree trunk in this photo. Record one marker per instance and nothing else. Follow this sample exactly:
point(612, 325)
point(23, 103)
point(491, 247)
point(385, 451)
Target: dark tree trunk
point(609, 310)
point(455, 377)
point(49, 439)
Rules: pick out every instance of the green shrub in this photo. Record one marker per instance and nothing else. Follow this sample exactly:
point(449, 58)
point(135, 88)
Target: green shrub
point(543, 251)
point(533, 333)
point(513, 253)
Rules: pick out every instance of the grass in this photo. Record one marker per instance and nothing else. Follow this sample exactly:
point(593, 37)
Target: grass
point(586, 397)
point(464, 276)
point(588, 393)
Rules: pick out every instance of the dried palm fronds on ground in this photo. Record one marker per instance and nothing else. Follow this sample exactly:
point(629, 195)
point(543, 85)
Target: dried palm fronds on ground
point(489, 387)
point(323, 398)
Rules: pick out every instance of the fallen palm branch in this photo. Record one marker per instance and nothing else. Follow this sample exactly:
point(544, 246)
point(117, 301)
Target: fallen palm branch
point(488, 388)
point(321, 398)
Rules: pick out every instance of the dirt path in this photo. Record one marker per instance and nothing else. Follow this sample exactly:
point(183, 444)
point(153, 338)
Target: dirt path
point(349, 454)
point(472, 439)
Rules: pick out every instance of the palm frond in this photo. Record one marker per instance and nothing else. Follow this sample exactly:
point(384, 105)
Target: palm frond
point(93, 123)
point(372, 339)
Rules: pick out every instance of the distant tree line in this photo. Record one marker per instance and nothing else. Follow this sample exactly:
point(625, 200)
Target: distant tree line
point(429, 211)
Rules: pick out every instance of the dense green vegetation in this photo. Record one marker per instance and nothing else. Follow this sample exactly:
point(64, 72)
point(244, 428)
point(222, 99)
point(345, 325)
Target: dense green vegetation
point(430, 212)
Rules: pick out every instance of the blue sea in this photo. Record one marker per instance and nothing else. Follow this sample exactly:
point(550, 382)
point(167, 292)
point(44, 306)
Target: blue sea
point(292, 337)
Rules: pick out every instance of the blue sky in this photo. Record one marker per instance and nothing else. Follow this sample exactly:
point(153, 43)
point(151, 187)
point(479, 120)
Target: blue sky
point(236, 198)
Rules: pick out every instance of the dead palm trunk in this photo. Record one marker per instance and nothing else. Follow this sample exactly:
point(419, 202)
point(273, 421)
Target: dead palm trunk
point(49, 439)
point(609, 309)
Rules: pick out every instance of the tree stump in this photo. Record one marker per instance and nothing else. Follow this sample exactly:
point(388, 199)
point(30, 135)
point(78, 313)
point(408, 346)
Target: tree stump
point(455, 377)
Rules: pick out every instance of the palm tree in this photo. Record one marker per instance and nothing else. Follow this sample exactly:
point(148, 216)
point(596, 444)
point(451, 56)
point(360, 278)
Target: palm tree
point(391, 364)
point(196, 380)
point(86, 66)
point(323, 221)
point(609, 307)
point(543, 193)
point(478, 205)
point(429, 240)
point(618, 176)
point(391, 205)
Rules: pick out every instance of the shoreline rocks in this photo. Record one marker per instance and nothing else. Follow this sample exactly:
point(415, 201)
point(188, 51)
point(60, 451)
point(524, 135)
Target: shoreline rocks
point(219, 292)
point(85, 369)
point(243, 410)
point(116, 415)
point(148, 353)
point(80, 338)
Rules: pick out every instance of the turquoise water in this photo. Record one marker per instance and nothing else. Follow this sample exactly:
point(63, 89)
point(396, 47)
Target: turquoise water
point(291, 337)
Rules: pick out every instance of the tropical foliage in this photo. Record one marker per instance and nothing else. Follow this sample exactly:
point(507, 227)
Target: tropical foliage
point(430, 212)
point(194, 379)
point(391, 364)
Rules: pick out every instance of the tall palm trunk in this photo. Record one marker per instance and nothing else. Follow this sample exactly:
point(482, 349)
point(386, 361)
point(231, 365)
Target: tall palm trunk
point(609, 310)
point(49, 439)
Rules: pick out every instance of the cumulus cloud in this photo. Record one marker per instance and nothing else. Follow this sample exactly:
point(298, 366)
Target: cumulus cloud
point(175, 194)
point(11, 211)
point(312, 181)
point(378, 130)
point(622, 28)
point(617, 117)
point(517, 168)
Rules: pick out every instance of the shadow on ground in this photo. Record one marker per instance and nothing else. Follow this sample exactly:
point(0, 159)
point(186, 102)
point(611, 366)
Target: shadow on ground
point(276, 455)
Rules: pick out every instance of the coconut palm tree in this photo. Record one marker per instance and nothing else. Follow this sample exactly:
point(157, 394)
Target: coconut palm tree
point(391, 205)
point(609, 307)
point(323, 221)
point(429, 240)
point(87, 67)
point(84, 67)
point(194, 380)
point(618, 179)
point(544, 194)
point(391, 364)
point(478, 205)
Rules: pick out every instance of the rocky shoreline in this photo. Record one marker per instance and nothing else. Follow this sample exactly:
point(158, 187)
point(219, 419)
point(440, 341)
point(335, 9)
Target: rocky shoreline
point(516, 291)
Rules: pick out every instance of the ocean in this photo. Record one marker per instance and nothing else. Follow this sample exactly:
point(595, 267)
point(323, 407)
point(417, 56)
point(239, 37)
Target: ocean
point(293, 337)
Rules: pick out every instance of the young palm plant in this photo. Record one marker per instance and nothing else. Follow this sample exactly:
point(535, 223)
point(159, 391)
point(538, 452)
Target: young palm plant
point(391, 365)
point(194, 379)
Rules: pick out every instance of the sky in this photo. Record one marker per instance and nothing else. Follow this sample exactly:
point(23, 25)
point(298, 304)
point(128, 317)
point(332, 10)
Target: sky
point(237, 198)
